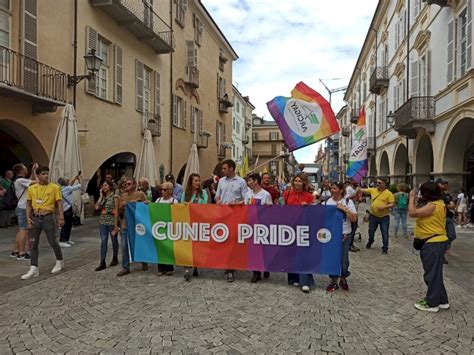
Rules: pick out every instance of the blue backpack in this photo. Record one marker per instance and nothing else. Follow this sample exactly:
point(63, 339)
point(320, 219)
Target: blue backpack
point(402, 202)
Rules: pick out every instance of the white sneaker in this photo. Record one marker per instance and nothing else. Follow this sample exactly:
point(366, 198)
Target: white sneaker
point(64, 245)
point(70, 242)
point(296, 284)
point(443, 306)
point(458, 226)
point(32, 272)
point(305, 289)
point(58, 267)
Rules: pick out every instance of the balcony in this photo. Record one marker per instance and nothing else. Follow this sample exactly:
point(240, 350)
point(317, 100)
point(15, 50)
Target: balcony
point(345, 131)
point(30, 80)
point(224, 104)
point(202, 139)
point(192, 77)
point(355, 115)
point(248, 123)
point(140, 19)
point(442, 3)
point(379, 80)
point(415, 114)
point(371, 148)
point(152, 122)
point(246, 140)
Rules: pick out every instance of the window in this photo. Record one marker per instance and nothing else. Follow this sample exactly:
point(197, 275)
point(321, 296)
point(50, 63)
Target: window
point(274, 149)
point(273, 136)
point(198, 29)
point(255, 136)
point(274, 167)
point(148, 13)
point(196, 117)
point(462, 25)
point(147, 89)
point(222, 59)
point(179, 112)
point(237, 107)
point(221, 84)
point(181, 7)
point(102, 75)
point(5, 23)
point(220, 133)
point(237, 128)
point(416, 9)
point(400, 29)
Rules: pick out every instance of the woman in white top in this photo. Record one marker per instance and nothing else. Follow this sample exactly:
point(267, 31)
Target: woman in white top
point(166, 197)
point(462, 208)
point(256, 195)
point(347, 207)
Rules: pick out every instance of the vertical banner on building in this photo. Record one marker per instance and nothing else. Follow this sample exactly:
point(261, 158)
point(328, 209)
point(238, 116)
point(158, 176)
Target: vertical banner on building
point(304, 118)
point(357, 166)
point(301, 239)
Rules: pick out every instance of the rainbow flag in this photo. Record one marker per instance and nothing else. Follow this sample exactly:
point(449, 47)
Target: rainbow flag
point(358, 165)
point(304, 118)
point(305, 239)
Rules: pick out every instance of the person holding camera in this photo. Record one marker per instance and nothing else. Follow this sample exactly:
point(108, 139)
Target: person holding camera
point(67, 190)
point(431, 240)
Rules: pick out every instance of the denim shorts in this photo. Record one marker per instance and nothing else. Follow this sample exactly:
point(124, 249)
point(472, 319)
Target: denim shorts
point(21, 215)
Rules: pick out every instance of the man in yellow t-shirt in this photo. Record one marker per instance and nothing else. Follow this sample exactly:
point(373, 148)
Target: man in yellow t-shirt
point(43, 202)
point(382, 201)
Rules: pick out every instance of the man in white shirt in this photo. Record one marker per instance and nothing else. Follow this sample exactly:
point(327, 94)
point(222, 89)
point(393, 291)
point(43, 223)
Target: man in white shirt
point(231, 190)
point(21, 185)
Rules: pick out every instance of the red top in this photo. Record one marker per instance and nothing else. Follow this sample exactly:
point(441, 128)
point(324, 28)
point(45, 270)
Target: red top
point(274, 193)
point(291, 197)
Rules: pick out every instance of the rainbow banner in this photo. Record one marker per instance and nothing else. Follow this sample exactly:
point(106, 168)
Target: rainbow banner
point(304, 118)
point(358, 165)
point(301, 239)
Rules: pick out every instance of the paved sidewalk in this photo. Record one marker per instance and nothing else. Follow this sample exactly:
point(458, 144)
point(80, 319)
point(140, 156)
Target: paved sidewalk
point(80, 310)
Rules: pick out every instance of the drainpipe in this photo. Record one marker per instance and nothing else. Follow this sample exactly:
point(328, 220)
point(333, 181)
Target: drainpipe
point(171, 90)
point(408, 179)
point(374, 129)
point(74, 46)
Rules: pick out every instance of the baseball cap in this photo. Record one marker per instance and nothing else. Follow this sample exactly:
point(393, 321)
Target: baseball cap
point(169, 177)
point(441, 181)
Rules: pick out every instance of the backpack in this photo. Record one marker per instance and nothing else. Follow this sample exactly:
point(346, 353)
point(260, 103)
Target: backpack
point(10, 201)
point(402, 202)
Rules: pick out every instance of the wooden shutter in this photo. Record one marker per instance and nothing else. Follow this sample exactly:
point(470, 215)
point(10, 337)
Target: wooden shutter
point(139, 85)
point(175, 110)
point(224, 132)
point(414, 78)
point(201, 123)
point(397, 25)
point(224, 86)
point(193, 119)
point(451, 51)
point(217, 133)
point(92, 40)
point(157, 93)
point(469, 35)
point(190, 53)
point(428, 73)
point(118, 74)
point(185, 113)
point(218, 87)
point(30, 46)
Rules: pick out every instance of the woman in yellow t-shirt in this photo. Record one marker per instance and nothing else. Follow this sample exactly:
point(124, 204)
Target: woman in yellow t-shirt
point(431, 240)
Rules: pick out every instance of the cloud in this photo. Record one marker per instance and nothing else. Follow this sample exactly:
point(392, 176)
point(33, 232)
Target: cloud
point(282, 42)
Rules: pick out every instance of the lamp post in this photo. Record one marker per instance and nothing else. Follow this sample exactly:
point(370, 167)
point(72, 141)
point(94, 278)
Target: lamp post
point(93, 64)
point(391, 122)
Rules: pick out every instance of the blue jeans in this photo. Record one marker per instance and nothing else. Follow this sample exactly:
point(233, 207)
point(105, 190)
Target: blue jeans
point(105, 231)
point(125, 250)
point(400, 216)
point(346, 245)
point(384, 223)
point(301, 279)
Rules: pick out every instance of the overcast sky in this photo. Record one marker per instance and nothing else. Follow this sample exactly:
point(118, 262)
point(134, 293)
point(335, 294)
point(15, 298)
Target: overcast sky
point(282, 42)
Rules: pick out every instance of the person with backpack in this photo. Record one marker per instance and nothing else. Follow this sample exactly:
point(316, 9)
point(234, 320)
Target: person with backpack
point(21, 185)
point(400, 211)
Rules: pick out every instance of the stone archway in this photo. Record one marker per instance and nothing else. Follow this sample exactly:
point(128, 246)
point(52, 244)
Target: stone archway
point(19, 144)
point(400, 164)
point(423, 160)
point(458, 160)
point(384, 170)
point(180, 177)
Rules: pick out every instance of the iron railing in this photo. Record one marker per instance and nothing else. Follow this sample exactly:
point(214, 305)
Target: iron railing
point(419, 108)
point(441, 3)
point(379, 79)
point(152, 122)
point(26, 74)
point(192, 76)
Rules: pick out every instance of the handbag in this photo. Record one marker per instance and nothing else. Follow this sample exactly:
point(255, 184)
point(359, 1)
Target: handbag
point(418, 243)
point(85, 198)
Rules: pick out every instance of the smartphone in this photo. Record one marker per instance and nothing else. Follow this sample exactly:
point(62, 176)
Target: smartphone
point(79, 173)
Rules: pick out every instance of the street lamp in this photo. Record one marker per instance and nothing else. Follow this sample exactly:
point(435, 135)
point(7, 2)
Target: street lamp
point(93, 63)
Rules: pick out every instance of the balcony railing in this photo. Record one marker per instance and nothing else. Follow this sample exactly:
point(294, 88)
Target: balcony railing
point(416, 113)
point(442, 3)
point(224, 105)
point(379, 80)
point(25, 77)
point(192, 77)
point(152, 122)
point(141, 19)
point(203, 139)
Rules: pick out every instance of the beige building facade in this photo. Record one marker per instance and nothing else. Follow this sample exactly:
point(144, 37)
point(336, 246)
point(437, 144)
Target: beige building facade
point(167, 69)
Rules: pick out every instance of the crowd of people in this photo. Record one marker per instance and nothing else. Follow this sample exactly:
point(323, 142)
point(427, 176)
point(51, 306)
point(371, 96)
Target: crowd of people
point(41, 205)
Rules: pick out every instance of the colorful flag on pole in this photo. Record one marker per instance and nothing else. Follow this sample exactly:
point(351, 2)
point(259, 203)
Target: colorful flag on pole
point(304, 118)
point(357, 166)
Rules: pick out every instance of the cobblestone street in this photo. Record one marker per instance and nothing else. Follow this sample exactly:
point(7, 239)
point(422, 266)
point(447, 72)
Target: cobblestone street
point(80, 310)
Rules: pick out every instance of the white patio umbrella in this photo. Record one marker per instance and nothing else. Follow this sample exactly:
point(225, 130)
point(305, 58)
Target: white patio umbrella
point(66, 158)
point(192, 166)
point(146, 166)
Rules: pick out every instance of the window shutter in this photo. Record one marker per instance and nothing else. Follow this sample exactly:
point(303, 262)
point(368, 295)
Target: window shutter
point(157, 94)
point(201, 125)
point(92, 41)
point(218, 87)
point(414, 78)
point(451, 55)
point(190, 53)
point(469, 35)
point(428, 73)
point(217, 133)
point(397, 24)
point(175, 110)
point(139, 85)
point(30, 46)
point(118, 74)
point(224, 132)
point(224, 90)
point(185, 115)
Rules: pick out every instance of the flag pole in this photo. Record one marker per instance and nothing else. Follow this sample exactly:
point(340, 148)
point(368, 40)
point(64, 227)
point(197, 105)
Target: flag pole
point(277, 157)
